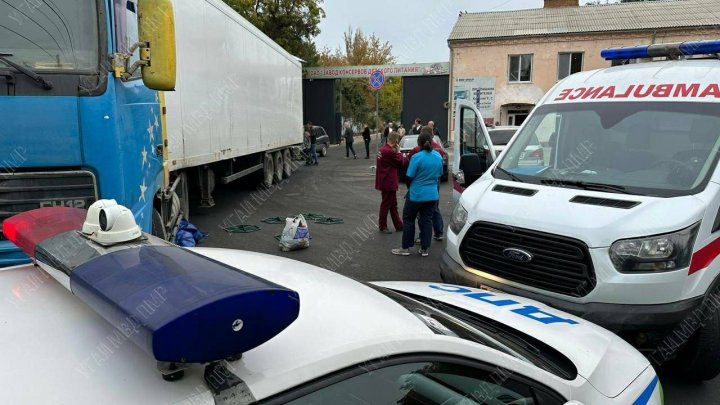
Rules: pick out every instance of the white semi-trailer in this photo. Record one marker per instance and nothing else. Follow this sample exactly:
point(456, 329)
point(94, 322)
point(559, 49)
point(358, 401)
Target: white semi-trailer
point(237, 106)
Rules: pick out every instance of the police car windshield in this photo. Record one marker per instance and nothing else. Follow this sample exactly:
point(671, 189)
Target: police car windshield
point(444, 319)
point(653, 148)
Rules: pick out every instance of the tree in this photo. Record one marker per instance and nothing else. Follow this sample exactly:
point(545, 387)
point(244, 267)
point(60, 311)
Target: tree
point(356, 100)
point(293, 24)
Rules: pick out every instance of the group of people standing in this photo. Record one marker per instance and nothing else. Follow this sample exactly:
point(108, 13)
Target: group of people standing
point(424, 167)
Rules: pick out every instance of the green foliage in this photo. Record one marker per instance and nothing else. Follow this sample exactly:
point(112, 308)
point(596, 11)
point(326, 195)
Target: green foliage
point(356, 100)
point(293, 24)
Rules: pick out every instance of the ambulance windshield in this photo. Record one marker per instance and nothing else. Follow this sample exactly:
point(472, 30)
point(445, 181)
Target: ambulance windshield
point(642, 148)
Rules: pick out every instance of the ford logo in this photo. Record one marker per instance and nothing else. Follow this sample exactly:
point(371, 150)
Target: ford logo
point(518, 255)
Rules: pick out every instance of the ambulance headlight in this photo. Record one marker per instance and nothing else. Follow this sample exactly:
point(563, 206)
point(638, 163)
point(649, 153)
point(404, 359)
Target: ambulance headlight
point(658, 253)
point(459, 219)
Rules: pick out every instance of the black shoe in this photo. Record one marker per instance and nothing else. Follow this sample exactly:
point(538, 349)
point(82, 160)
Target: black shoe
point(355, 157)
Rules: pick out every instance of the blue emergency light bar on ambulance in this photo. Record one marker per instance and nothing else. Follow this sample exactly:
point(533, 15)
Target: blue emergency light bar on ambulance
point(663, 50)
point(185, 308)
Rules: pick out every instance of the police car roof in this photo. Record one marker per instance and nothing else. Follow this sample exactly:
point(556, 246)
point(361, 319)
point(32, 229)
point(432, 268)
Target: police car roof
point(52, 337)
point(693, 80)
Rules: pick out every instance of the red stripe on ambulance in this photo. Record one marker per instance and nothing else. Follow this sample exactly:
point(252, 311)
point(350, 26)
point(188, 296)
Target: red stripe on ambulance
point(679, 90)
point(704, 257)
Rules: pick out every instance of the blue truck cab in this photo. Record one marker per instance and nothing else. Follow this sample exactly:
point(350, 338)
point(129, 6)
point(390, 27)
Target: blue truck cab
point(81, 107)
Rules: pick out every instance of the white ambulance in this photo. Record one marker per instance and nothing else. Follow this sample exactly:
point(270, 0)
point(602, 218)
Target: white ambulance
point(620, 221)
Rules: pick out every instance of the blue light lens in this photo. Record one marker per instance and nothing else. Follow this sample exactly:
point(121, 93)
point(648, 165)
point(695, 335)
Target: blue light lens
point(662, 50)
point(625, 53)
point(181, 307)
point(700, 47)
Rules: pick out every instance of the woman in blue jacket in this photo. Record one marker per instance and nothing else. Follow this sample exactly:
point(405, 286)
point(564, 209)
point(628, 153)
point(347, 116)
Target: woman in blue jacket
point(424, 174)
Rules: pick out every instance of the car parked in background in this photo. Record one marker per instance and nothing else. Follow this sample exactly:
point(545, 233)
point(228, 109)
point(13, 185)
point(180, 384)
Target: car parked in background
point(409, 142)
point(501, 137)
point(322, 140)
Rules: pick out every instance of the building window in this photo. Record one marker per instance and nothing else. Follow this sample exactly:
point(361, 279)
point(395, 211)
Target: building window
point(520, 68)
point(569, 63)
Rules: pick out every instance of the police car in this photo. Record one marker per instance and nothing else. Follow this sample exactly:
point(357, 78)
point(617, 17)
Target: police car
point(620, 221)
point(111, 315)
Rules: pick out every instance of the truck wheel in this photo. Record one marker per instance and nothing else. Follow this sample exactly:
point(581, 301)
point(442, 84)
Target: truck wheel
point(279, 165)
point(287, 160)
point(158, 229)
point(268, 170)
point(700, 359)
point(323, 151)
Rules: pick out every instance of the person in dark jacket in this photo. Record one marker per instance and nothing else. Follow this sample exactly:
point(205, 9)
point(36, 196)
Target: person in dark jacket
point(366, 138)
point(386, 132)
point(423, 174)
point(312, 139)
point(349, 139)
point(389, 161)
point(417, 126)
point(435, 131)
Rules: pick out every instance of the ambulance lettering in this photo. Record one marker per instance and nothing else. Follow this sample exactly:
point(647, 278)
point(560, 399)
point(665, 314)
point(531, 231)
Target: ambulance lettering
point(528, 311)
point(665, 90)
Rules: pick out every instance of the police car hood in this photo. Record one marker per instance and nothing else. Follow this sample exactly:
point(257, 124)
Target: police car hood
point(552, 210)
point(595, 352)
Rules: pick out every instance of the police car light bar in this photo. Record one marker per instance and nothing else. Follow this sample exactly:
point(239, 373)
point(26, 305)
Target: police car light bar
point(663, 50)
point(178, 306)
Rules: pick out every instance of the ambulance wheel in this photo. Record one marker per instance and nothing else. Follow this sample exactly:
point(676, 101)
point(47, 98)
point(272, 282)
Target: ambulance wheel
point(279, 167)
point(700, 359)
point(158, 229)
point(288, 163)
point(268, 170)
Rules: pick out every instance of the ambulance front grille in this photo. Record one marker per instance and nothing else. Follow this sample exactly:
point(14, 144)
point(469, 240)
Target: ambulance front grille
point(20, 192)
point(556, 263)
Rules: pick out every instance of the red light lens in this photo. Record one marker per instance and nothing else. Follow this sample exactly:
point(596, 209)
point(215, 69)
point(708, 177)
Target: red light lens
point(28, 229)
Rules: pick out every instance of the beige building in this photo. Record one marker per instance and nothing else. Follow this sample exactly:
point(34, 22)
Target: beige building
point(506, 61)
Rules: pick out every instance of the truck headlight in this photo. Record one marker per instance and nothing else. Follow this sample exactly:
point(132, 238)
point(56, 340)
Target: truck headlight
point(666, 252)
point(458, 219)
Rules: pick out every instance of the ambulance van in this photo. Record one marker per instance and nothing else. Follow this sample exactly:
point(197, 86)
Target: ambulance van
point(619, 223)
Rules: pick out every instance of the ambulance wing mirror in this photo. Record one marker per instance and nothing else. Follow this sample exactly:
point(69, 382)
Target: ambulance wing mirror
point(156, 31)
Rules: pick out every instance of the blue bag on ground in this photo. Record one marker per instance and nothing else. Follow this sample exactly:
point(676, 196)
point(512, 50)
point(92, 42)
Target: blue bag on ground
point(188, 235)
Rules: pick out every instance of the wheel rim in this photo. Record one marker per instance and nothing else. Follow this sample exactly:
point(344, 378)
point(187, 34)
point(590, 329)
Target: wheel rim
point(269, 171)
point(278, 167)
point(287, 159)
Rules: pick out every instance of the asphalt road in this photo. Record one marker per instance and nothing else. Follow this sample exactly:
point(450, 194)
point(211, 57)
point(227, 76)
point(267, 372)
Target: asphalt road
point(344, 188)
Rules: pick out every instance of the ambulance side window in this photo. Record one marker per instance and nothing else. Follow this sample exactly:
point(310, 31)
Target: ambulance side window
point(470, 132)
point(431, 382)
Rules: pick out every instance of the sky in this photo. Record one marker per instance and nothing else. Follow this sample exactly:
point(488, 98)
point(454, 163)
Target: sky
point(417, 29)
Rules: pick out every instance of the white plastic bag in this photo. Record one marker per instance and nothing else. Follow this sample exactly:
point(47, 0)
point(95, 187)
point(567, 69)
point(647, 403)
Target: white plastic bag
point(296, 234)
